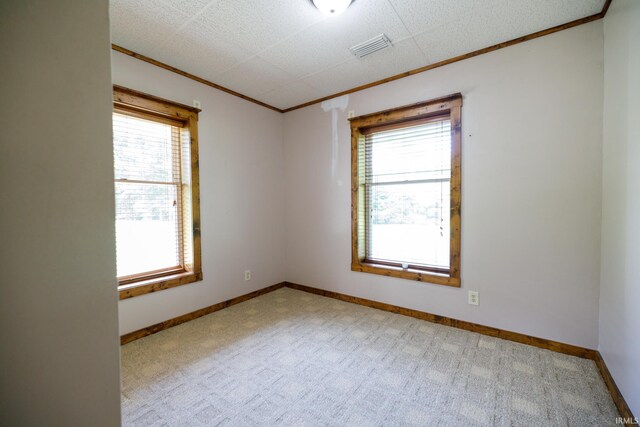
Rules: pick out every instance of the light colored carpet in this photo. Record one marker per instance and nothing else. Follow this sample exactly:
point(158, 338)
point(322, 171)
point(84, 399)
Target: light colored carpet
point(293, 358)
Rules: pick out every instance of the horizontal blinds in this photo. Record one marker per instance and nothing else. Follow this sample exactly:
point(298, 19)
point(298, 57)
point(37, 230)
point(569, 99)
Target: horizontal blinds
point(187, 204)
point(148, 186)
point(407, 174)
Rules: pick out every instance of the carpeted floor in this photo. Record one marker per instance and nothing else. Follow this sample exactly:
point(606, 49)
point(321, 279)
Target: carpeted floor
point(293, 358)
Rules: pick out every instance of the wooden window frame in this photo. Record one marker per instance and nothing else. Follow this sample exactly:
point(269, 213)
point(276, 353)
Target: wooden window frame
point(139, 104)
point(449, 106)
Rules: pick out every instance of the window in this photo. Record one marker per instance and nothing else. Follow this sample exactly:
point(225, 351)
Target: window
point(155, 150)
point(405, 203)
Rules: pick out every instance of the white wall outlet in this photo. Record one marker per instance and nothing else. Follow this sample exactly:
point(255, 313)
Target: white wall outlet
point(351, 114)
point(196, 103)
point(474, 298)
point(247, 275)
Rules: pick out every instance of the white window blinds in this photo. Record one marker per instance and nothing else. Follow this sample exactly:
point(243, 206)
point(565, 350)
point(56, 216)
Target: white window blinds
point(149, 159)
point(407, 175)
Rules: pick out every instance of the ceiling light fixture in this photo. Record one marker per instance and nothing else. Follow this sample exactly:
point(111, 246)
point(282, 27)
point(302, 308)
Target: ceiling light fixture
point(332, 7)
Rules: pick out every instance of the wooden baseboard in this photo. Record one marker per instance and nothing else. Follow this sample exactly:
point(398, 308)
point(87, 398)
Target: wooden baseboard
point(140, 333)
point(460, 324)
point(616, 395)
point(614, 391)
point(434, 318)
point(586, 353)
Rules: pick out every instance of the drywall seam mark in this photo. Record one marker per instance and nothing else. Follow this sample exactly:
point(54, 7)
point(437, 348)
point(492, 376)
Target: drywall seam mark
point(334, 105)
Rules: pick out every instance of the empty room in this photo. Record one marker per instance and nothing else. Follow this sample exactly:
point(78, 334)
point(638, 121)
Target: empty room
point(320, 213)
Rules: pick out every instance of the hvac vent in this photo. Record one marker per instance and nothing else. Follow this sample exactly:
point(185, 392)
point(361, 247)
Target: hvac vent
point(372, 45)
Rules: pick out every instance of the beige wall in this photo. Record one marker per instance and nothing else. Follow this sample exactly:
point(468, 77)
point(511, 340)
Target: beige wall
point(620, 285)
point(531, 189)
point(241, 195)
point(59, 357)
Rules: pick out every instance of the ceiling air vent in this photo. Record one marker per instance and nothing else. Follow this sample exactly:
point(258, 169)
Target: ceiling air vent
point(372, 45)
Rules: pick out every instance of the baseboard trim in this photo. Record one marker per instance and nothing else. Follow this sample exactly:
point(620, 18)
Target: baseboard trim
point(460, 324)
point(614, 391)
point(150, 330)
point(586, 353)
point(434, 318)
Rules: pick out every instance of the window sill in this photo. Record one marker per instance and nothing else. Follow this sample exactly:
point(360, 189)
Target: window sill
point(409, 274)
point(142, 287)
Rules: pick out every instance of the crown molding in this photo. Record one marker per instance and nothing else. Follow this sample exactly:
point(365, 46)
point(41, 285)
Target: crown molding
point(409, 73)
point(191, 76)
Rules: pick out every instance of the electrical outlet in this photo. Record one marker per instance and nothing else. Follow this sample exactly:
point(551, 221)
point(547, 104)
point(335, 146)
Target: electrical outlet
point(351, 114)
point(474, 298)
point(247, 275)
point(196, 103)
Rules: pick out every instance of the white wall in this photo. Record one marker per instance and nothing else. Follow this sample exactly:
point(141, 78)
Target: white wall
point(59, 351)
point(241, 194)
point(620, 284)
point(531, 202)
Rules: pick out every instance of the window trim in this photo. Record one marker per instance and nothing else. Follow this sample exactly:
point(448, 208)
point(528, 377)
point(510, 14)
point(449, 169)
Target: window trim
point(140, 104)
point(449, 106)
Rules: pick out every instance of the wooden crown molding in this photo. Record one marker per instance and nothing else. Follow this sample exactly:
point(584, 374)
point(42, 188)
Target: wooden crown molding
point(460, 57)
point(191, 76)
point(495, 47)
point(605, 8)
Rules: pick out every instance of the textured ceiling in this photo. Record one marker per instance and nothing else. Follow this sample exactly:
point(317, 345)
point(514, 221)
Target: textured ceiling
point(286, 52)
